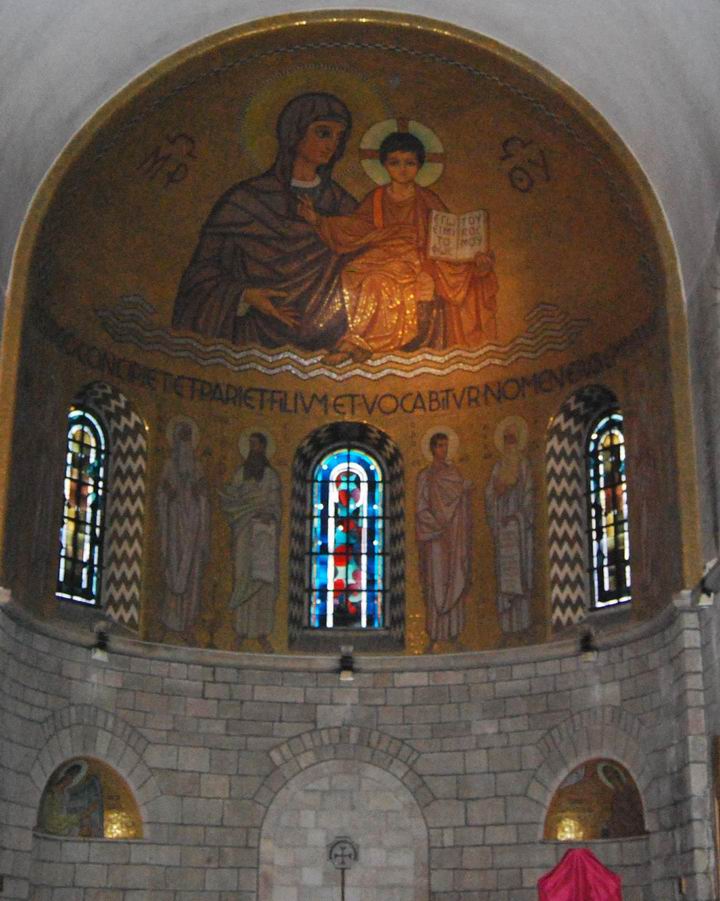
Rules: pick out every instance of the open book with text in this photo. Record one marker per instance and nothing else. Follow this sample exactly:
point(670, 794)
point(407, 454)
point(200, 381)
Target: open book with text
point(457, 237)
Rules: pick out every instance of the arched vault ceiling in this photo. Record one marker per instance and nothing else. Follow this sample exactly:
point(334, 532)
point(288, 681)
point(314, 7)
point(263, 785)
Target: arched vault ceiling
point(651, 67)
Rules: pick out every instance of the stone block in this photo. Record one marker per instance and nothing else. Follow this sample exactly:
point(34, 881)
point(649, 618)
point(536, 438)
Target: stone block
point(195, 759)
point(488, 811)
point(91, 875)
point(109, 852)
point(223, 880)
point(445, 813)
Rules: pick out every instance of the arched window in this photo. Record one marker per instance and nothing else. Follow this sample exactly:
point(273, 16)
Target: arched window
point(588, 548)
point(346, 548)
point(101, 533)
point(608, 538)
point(82, 529)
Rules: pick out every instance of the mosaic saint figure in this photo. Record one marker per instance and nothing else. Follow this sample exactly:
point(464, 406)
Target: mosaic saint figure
point(384, 286)
point(509, 511)
point(183, 506)
point(72, 804)
point(261, 275)
point(252, 503)
point(598, 799)
point(443, 528)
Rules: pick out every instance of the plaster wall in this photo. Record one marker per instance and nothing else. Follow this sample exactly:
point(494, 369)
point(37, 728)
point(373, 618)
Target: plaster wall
point(207, 741)
point(704, 337)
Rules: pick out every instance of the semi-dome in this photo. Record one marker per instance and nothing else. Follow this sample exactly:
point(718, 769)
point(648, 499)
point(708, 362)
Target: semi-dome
point(428, 285)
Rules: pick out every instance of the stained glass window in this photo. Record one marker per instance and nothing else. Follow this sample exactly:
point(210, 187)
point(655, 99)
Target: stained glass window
point(346, 554)
point(608, 538)
point(81, 533)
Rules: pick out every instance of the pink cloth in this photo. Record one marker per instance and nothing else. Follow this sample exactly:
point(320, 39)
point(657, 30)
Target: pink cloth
point(580, 877)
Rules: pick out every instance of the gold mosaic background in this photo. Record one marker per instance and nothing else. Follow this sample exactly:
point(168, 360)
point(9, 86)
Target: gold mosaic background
point(85, 798)
point(598, 799)
point(587, 293)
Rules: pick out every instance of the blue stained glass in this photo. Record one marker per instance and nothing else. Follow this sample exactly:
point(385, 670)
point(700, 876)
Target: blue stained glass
point(346, 553)
point(81, 533)
point(608, 512)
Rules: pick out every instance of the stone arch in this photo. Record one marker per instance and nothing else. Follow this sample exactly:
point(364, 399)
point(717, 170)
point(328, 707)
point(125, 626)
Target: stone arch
point(384, 448)
point(344, 743)
point(607, 731)
point(84, 730)
point(565, 472)
point(124, 511)
point(344, 797)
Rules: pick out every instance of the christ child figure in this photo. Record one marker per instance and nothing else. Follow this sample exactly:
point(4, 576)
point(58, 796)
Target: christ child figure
point(388, 272)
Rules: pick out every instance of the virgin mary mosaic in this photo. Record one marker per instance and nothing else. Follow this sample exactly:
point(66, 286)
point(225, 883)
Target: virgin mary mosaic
point(290, 257)
point(349, 199)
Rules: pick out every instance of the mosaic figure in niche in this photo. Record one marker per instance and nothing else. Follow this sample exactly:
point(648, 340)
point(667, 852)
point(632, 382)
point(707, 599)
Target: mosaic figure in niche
point(72, 804)
point(252, 503)
point(598, 799)
point(510, 516)
point(260, 274)
point(443, 528)
point(183, 506)
point(397, 296)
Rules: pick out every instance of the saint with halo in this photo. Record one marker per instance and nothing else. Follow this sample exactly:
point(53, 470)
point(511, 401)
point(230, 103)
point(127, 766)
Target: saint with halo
point(396, 296)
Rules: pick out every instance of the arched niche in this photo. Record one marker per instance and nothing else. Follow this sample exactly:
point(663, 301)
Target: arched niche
point(597, 799)
point(86, 798)
point(389, 457)
point(344, 798)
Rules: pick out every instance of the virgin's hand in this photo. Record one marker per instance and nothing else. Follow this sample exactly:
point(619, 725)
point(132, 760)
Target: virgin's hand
point(262, 300)
point(484, 262)
point(307, 211)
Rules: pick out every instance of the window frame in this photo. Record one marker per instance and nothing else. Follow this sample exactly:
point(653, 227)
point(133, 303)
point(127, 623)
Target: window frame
point(369, 438)
point(610, 420)
point(80, 417)
point(313, 487)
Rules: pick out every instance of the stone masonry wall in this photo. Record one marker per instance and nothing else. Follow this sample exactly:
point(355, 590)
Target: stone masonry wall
point(474, 743)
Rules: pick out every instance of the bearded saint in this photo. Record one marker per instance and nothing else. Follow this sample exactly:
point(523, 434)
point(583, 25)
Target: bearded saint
point(252, 503)
point(443, 527)
point(509, 511)
point(184, 520)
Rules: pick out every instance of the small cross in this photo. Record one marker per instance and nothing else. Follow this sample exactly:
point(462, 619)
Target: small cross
point(343, 853)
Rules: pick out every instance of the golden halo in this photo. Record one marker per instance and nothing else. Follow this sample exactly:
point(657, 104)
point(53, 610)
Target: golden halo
point(80, 776)
point(453, 441)
point(244, 442)
point(516, 422)
point(259, 115)
point(602, 767)
point(179, 420)
point(431, 169)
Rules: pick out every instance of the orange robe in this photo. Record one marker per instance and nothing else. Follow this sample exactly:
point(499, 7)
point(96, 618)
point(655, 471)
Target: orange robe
point(382, 284)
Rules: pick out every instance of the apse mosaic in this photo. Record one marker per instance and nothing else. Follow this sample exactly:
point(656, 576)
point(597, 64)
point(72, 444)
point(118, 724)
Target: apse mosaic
point(402, 206)
point(85, 798)
point(383, 224)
